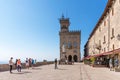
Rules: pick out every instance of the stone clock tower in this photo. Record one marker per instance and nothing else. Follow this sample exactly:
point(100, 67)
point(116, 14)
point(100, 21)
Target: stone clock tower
point(69, 42)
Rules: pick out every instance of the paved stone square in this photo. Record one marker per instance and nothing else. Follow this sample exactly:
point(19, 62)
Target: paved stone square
point(78, 71)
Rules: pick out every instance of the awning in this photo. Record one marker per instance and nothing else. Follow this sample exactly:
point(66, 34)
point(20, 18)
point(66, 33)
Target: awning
point(97, 55)
point(88, 57)
point(108, 53)
point(116, 51)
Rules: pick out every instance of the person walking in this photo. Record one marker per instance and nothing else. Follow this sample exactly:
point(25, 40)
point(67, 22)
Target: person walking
point(56, 63)
point(19, 65)
point(30, 62)
point(111, 64)
point(116, 62)
point(16, 63)
point(11, 64)
point(33, 62)
point(27, 63)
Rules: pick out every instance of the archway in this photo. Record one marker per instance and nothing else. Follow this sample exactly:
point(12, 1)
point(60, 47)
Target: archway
point(69, 58)
point(75, 58)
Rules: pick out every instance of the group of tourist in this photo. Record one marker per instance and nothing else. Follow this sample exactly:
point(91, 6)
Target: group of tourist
point(113, 63)
point(18, 65)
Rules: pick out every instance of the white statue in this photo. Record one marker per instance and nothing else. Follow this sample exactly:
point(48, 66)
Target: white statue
point(63, 48)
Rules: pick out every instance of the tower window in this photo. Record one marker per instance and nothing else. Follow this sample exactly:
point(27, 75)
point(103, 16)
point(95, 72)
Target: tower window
point(64, 27)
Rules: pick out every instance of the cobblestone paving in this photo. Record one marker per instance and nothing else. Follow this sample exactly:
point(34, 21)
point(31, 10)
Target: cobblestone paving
point(78, 71)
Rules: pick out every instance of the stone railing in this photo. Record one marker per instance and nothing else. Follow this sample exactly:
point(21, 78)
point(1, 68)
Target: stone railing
point(5, 67)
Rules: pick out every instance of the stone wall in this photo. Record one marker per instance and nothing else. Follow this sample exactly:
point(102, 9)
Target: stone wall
point(5, 67)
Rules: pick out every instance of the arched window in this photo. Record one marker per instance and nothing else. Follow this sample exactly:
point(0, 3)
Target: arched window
point(69, 45)
point(75, 44)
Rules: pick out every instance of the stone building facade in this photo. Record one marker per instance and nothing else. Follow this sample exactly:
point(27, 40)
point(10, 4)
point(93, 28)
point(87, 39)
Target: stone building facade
point(105, 37)
point(69, 42)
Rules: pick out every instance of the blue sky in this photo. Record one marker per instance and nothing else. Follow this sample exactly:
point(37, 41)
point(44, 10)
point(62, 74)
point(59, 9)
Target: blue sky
point(30, 28)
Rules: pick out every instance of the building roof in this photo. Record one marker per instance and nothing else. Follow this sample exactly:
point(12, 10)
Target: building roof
point(107, 9)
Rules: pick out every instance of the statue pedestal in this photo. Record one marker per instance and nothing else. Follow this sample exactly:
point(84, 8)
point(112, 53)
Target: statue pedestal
point(62, 61)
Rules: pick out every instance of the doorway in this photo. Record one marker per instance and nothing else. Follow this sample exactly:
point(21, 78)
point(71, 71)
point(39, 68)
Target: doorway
point(75, 58)
point(70, 58)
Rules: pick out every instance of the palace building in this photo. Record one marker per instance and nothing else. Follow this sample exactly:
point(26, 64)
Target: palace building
point(104, 41)
point(69, 42)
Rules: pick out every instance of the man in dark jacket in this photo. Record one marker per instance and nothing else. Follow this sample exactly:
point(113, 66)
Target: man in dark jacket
point(56, 63)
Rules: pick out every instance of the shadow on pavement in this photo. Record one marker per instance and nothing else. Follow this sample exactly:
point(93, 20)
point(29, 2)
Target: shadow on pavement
point(36, 68)
point(62, 69)
point(22, 72)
